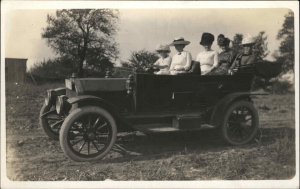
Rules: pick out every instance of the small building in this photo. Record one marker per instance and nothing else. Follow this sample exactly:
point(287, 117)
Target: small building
point(15, 69)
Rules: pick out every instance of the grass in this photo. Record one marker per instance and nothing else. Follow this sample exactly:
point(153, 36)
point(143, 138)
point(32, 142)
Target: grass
point(33, 156)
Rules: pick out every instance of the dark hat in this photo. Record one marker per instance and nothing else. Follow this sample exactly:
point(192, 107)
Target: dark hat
point(222, 40)
point(207, 39)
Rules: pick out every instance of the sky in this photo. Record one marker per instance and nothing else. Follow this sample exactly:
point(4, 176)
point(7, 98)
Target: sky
point(146, 28)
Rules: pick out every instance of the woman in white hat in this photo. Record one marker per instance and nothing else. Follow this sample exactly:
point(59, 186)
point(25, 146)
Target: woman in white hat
point(247, 57)
point(182, 60)
point(164, 62)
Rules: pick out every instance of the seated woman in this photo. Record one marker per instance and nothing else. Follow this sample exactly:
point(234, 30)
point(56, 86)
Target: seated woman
point(226, 56)
point(164, 62)
point(208, 58)
point(181, 61)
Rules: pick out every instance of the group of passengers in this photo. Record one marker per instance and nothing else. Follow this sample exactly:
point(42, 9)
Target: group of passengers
point(211, 62)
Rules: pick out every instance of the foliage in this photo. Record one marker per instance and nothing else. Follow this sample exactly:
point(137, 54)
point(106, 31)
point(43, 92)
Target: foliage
point(281, 87)
point(260, 48)
point(141, 60)
point(286, 50)
point(83, 35)
point(237, 43)
point(52, 69)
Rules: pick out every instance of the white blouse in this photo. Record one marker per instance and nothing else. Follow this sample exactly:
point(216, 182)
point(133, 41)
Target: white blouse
point(182, 60)
point(163, 63)
point(207, 60)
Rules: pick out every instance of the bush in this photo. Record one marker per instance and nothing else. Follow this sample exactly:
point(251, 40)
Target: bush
point(281, 87)
point(141, 60)
point(52, 70)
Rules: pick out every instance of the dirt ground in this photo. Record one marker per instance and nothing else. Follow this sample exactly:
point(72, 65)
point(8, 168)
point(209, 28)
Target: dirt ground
point(32, 156)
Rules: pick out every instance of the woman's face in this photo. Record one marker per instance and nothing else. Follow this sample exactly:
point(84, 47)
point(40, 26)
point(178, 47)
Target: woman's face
point(179, 48)
point(207, 47)
point(163, 53)
point(247, 49)
point(224, 48)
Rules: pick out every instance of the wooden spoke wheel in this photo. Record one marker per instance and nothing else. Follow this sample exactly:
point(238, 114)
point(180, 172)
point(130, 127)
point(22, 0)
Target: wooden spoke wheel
point(240, 123)
point(50, 122)
point(88, 134)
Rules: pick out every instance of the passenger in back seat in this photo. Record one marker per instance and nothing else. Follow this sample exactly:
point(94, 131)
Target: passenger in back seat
point(208, 58)
point(182, 60)
point(164, 62)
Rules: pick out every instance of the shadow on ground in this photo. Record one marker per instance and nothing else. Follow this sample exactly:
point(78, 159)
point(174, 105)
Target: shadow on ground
point(138, 146)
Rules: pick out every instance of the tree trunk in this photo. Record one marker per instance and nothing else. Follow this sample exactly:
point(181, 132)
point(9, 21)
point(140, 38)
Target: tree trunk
point(80, 68)
point(82, 55)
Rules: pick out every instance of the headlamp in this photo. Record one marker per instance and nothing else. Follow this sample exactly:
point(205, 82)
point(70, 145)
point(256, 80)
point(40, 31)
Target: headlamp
point(49, 100)
point(61, 104)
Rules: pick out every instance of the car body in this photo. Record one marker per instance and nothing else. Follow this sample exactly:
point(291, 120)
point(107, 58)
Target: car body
point(89, 112)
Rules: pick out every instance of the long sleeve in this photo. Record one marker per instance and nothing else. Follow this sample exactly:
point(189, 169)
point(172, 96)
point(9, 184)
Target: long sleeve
point(188, 61)
point(169, 61)
point(233, 65)
point(157, 62)
point(197, 58)
point(216, 59)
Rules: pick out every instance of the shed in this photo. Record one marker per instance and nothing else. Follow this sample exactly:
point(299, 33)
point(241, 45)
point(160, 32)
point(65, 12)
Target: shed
point(15, 69)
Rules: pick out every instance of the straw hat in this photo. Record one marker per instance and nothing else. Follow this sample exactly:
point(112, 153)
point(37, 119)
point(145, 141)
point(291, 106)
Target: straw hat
point(165, 48)
point(180, 41)
point(248, 40)
point(207, 39)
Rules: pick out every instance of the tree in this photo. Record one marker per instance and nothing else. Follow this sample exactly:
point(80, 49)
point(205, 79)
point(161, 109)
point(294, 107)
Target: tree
point(83, 35)
point(140, 60)
point(260, 48)
point(286, 52)
point(237, 43)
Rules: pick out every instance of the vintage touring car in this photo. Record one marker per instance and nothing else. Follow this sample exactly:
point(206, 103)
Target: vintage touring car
point(88, 113)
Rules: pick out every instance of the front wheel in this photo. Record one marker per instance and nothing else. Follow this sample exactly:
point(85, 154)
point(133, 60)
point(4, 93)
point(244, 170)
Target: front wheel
point(240, 123)
point(50, 121)
point(88, 134)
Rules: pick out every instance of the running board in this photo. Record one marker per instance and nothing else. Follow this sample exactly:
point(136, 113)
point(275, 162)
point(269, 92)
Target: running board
point(158, 128)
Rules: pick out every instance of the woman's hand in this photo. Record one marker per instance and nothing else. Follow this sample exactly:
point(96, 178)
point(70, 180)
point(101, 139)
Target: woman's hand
point(178, 68)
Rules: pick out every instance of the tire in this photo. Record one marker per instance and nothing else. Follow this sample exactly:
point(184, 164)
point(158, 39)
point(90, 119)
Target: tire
point(240, 123)
point(49, 122)
point(87, 125)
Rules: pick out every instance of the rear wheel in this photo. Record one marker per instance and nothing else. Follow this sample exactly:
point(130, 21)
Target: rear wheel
point(240, 123)
point(88, 134)
point(50, 121)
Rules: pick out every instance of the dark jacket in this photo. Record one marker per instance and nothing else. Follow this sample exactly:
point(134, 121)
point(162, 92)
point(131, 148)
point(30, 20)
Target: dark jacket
point(242, 60)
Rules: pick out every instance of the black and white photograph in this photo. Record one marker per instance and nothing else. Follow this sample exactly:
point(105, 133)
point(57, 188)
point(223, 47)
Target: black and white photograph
point(183, 94)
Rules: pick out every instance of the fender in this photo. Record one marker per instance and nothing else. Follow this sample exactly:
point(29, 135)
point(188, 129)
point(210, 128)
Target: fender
point(221, 107)
point(92, 100)
point(96, 101)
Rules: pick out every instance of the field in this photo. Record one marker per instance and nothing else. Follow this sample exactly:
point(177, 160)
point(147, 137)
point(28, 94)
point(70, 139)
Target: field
point(32, 156)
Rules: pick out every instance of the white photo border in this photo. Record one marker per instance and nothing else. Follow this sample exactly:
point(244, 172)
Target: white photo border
point(7, 6)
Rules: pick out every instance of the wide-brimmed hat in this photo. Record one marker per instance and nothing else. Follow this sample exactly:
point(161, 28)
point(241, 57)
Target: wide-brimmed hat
point(248, 40)
point(222, 40)
point(180, 41)
point(207, 39)
point(161, 48)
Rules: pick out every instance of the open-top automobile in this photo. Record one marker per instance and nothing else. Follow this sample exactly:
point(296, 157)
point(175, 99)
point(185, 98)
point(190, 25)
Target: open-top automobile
point(88, 113)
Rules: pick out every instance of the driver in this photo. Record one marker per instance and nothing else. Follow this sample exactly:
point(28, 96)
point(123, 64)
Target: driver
point(182, 60)
point(247, 57)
